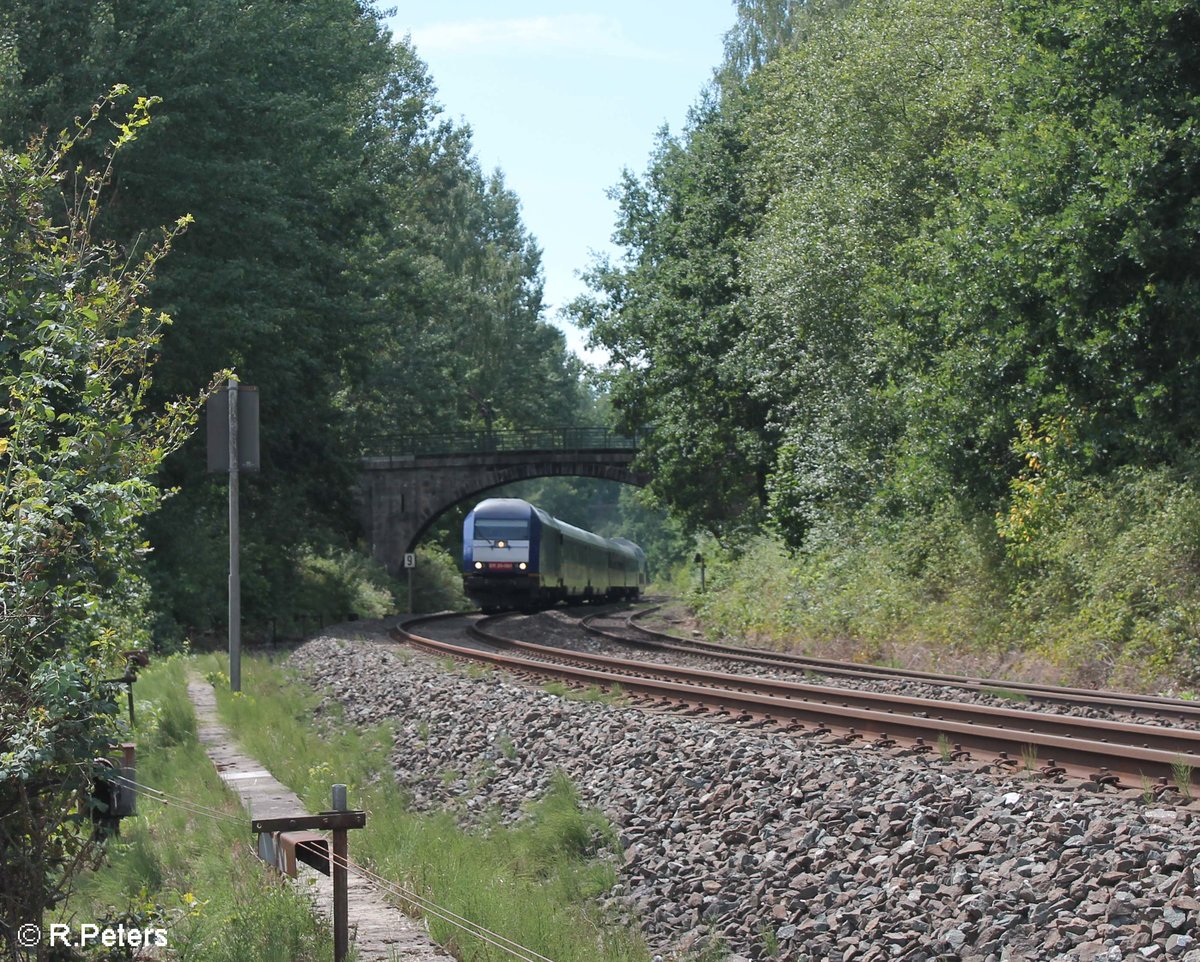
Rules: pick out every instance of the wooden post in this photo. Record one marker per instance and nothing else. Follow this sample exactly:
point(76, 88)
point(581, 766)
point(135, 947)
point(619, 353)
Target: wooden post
point(341, 893)
point(337, 822)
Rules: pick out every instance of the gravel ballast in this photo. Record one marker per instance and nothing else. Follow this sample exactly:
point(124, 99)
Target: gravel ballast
point(779, 846)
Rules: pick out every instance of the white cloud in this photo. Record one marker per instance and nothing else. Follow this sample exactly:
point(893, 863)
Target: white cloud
point(561, 35)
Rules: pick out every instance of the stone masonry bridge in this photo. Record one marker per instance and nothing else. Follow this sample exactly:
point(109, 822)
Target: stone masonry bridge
point(403, 492)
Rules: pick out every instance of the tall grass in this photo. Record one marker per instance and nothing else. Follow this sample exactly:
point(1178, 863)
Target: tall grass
point(189, 873)
point(534, 882)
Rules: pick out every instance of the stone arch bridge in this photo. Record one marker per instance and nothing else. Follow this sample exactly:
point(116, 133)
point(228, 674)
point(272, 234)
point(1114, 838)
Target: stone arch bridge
point(403, 492)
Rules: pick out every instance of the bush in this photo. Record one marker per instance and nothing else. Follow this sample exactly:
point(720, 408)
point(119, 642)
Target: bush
point(437, 581)
point(1109, 593)
point(337, 584)
point(78, 447)
point(1119, 580)
point(867, 580)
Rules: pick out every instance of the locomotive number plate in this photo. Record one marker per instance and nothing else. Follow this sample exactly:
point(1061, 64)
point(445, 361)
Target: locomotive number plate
point(500, 565)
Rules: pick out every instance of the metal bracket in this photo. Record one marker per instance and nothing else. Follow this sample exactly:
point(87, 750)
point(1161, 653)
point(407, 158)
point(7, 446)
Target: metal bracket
point(282, 851)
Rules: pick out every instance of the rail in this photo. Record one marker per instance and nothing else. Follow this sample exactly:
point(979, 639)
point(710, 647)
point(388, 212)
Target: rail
point(1120, 754)
point(1155, 705)
point(474, 442)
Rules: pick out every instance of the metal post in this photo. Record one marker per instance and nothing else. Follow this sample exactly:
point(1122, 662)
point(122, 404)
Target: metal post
point(235, 578)
point(410, 591)
point(341, 907)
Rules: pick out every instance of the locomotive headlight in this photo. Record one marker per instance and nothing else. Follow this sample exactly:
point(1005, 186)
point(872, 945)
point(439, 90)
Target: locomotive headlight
point(501, 544)
point(478, 565)
point(522, 565)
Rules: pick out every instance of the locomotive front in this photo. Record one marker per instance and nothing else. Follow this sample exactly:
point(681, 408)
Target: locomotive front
point(500, 551)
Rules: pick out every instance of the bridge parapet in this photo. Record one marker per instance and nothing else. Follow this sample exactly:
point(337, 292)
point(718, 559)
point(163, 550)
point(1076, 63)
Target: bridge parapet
point(476, 442)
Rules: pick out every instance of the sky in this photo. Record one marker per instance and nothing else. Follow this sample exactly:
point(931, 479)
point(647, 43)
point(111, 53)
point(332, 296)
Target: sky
point(561, 96)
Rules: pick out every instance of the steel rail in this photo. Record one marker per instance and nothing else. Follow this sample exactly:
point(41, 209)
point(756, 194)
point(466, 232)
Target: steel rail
point(1155, 705)
point(1172, 740)
point(1126, 765)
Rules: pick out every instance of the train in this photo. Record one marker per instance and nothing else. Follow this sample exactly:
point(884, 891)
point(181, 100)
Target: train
point(518, 557)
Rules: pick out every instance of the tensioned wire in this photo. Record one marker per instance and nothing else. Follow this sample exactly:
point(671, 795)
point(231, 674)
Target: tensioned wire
point(166, 798)
point(395, 889)
point(445, 914)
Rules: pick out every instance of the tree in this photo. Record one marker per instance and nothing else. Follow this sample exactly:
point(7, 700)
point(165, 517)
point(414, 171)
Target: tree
point(456, 299)
point(673, 318)
point(849, 128)
point(764, 28)
point(267, 111)
point(1057, 278)
point(78, 451)
point(347, 257)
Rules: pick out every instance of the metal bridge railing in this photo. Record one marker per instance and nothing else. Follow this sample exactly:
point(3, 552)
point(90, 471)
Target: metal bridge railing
point(471, 442)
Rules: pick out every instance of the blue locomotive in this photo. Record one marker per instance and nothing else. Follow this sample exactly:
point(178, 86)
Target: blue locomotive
point(518, 556)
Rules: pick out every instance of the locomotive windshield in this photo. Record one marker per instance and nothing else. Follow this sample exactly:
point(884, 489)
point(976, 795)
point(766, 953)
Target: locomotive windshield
point(499, 529)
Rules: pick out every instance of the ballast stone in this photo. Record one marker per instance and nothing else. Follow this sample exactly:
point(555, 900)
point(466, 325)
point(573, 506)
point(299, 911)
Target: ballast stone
point(861, 853)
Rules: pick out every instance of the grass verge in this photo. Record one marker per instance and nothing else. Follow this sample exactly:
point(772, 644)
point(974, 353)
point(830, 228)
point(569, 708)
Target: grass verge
point(192, 874)
point(1102, 591)
point(535, 882)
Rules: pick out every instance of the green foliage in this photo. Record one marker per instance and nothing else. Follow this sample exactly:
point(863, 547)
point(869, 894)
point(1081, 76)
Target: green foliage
point(1040, 493)
point(918, 286)
point(764, 28)
point(1056, 275)
point(272, 716)
point(671, 317)
point(867, 582)
point(194, 873)
point(1117, 583)
point(1111, 595)
point(461, 344)
point(437, 581)
point(743, 319)
point(78, 447)
point(559, 826)
point(750, 594)
point(345, 584)
point(869, 100)
point(348, 257)
point(1181, 773)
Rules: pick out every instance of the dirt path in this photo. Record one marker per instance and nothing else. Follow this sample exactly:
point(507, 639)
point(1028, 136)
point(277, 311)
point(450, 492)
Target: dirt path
point(379, 930)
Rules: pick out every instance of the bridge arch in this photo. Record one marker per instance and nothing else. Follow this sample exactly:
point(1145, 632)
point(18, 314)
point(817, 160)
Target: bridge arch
point(400, 496)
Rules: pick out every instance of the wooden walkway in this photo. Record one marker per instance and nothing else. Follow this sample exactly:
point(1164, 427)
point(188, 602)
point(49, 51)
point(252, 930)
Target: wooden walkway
point(378, 930)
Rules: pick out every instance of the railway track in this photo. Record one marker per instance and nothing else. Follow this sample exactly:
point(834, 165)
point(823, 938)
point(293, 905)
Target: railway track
point(625, 629)
point(1123, 754)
